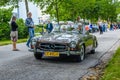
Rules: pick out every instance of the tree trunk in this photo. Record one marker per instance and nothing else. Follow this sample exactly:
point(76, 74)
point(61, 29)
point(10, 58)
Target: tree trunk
point(57, 13)
point(57, 10)
point(26, 5)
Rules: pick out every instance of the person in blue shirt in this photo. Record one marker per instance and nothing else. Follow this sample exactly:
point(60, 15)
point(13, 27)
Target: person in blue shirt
point(91, 28)
point(30, 25)
point(49, 27)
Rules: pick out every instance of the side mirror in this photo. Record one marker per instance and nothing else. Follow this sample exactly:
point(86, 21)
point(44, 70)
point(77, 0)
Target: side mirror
point(87, 32)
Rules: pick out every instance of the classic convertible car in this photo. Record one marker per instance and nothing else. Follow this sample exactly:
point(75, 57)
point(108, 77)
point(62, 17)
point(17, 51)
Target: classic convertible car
point(64, 42)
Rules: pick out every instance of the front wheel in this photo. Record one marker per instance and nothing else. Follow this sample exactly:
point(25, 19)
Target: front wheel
point(37, 55)
point(82, 54)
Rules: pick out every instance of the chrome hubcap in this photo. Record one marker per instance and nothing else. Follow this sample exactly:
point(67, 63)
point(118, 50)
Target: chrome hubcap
point(82, 53)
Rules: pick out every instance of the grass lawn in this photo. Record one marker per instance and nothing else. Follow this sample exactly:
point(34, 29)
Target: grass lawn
point(112, 71)
point(6, 42)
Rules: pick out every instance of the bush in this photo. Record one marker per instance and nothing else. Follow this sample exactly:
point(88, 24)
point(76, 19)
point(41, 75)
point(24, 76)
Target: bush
point(4, 31)
point(22, 29)
point(5, 17)
point(5, 28)
point(39, 28)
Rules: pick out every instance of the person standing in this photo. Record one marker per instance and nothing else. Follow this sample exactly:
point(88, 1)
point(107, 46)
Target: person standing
point(49, 27)
point(100, 27)
point(91, 28)
point(111, 26)
point(30, 24)
point(119, 25)
point(106, 26)
point(14, 33)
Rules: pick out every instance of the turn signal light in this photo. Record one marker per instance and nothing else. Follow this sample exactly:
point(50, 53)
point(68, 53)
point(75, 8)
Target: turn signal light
point(32, 47)
point(72, 49)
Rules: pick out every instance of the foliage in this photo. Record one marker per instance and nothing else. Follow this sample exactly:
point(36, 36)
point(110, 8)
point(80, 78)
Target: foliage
point(87, 9)
point(5, 15)
point(69, 9)
point(14, 3)
point(6, 42)
point(53, 7)
point(39, 28)
point(8, 2)
point(107, 10)
point(22, 29)
point(112, 71)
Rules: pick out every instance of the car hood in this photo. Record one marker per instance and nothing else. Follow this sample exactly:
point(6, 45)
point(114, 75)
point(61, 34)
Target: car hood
point(59, 37)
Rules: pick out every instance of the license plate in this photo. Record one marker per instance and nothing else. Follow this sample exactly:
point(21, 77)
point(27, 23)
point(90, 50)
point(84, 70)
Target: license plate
point(52, 54)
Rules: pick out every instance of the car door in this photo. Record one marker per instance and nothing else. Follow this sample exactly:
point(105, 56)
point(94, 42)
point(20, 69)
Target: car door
point(88, 40)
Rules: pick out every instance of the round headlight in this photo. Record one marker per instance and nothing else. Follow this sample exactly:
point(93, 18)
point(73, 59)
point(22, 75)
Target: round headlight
point(33, 41)
point(72, 44)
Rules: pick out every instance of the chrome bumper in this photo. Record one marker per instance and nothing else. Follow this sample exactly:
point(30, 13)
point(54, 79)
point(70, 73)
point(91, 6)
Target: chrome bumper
point(31, 50)
point(64, 52)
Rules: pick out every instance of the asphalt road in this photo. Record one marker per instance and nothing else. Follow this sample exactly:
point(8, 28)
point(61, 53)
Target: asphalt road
point(21, 65)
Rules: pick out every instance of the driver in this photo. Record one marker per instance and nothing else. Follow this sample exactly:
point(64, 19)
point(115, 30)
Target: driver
point(79, 27)
point(64, 29)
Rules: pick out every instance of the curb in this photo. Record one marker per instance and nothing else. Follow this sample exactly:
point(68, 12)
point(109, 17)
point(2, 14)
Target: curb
point(95, 71)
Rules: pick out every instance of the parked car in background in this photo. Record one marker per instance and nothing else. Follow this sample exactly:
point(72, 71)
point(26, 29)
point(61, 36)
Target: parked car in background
point(95, 28)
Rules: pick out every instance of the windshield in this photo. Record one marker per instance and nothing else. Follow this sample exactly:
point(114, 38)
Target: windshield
point(66, 28)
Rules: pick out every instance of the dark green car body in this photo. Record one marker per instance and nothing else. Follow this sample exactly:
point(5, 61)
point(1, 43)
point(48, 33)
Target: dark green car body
point(64, 43)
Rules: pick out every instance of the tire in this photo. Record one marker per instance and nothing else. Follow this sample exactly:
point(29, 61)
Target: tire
point(37, 55)
point(93, 50)
point(82, 54)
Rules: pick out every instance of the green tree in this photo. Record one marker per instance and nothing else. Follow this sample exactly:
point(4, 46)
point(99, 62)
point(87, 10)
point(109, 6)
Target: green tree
point(53, 7)
point(108, 9)
point(70, 9)
point(22, 29)
point(14, 3)
point(5, 15)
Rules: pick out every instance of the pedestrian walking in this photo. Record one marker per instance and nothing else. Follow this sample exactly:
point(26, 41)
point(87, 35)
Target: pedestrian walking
point(115, 26)
point(91, 28)
point(100, 27)
point(106, 26)
point(111, 27)
point(49, 27)
point(14, 33)
point(103, 27)
point(30, 25)
point(119, 25)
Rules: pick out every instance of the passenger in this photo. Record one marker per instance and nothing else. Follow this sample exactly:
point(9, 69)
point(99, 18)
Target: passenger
point(79, 27)
point(64, 29)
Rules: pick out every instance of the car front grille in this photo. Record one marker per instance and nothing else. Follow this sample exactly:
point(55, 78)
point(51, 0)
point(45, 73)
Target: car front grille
point(52, 47)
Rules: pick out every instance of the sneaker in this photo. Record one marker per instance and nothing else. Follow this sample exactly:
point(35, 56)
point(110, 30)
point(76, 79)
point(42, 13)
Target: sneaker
point(27, 45)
